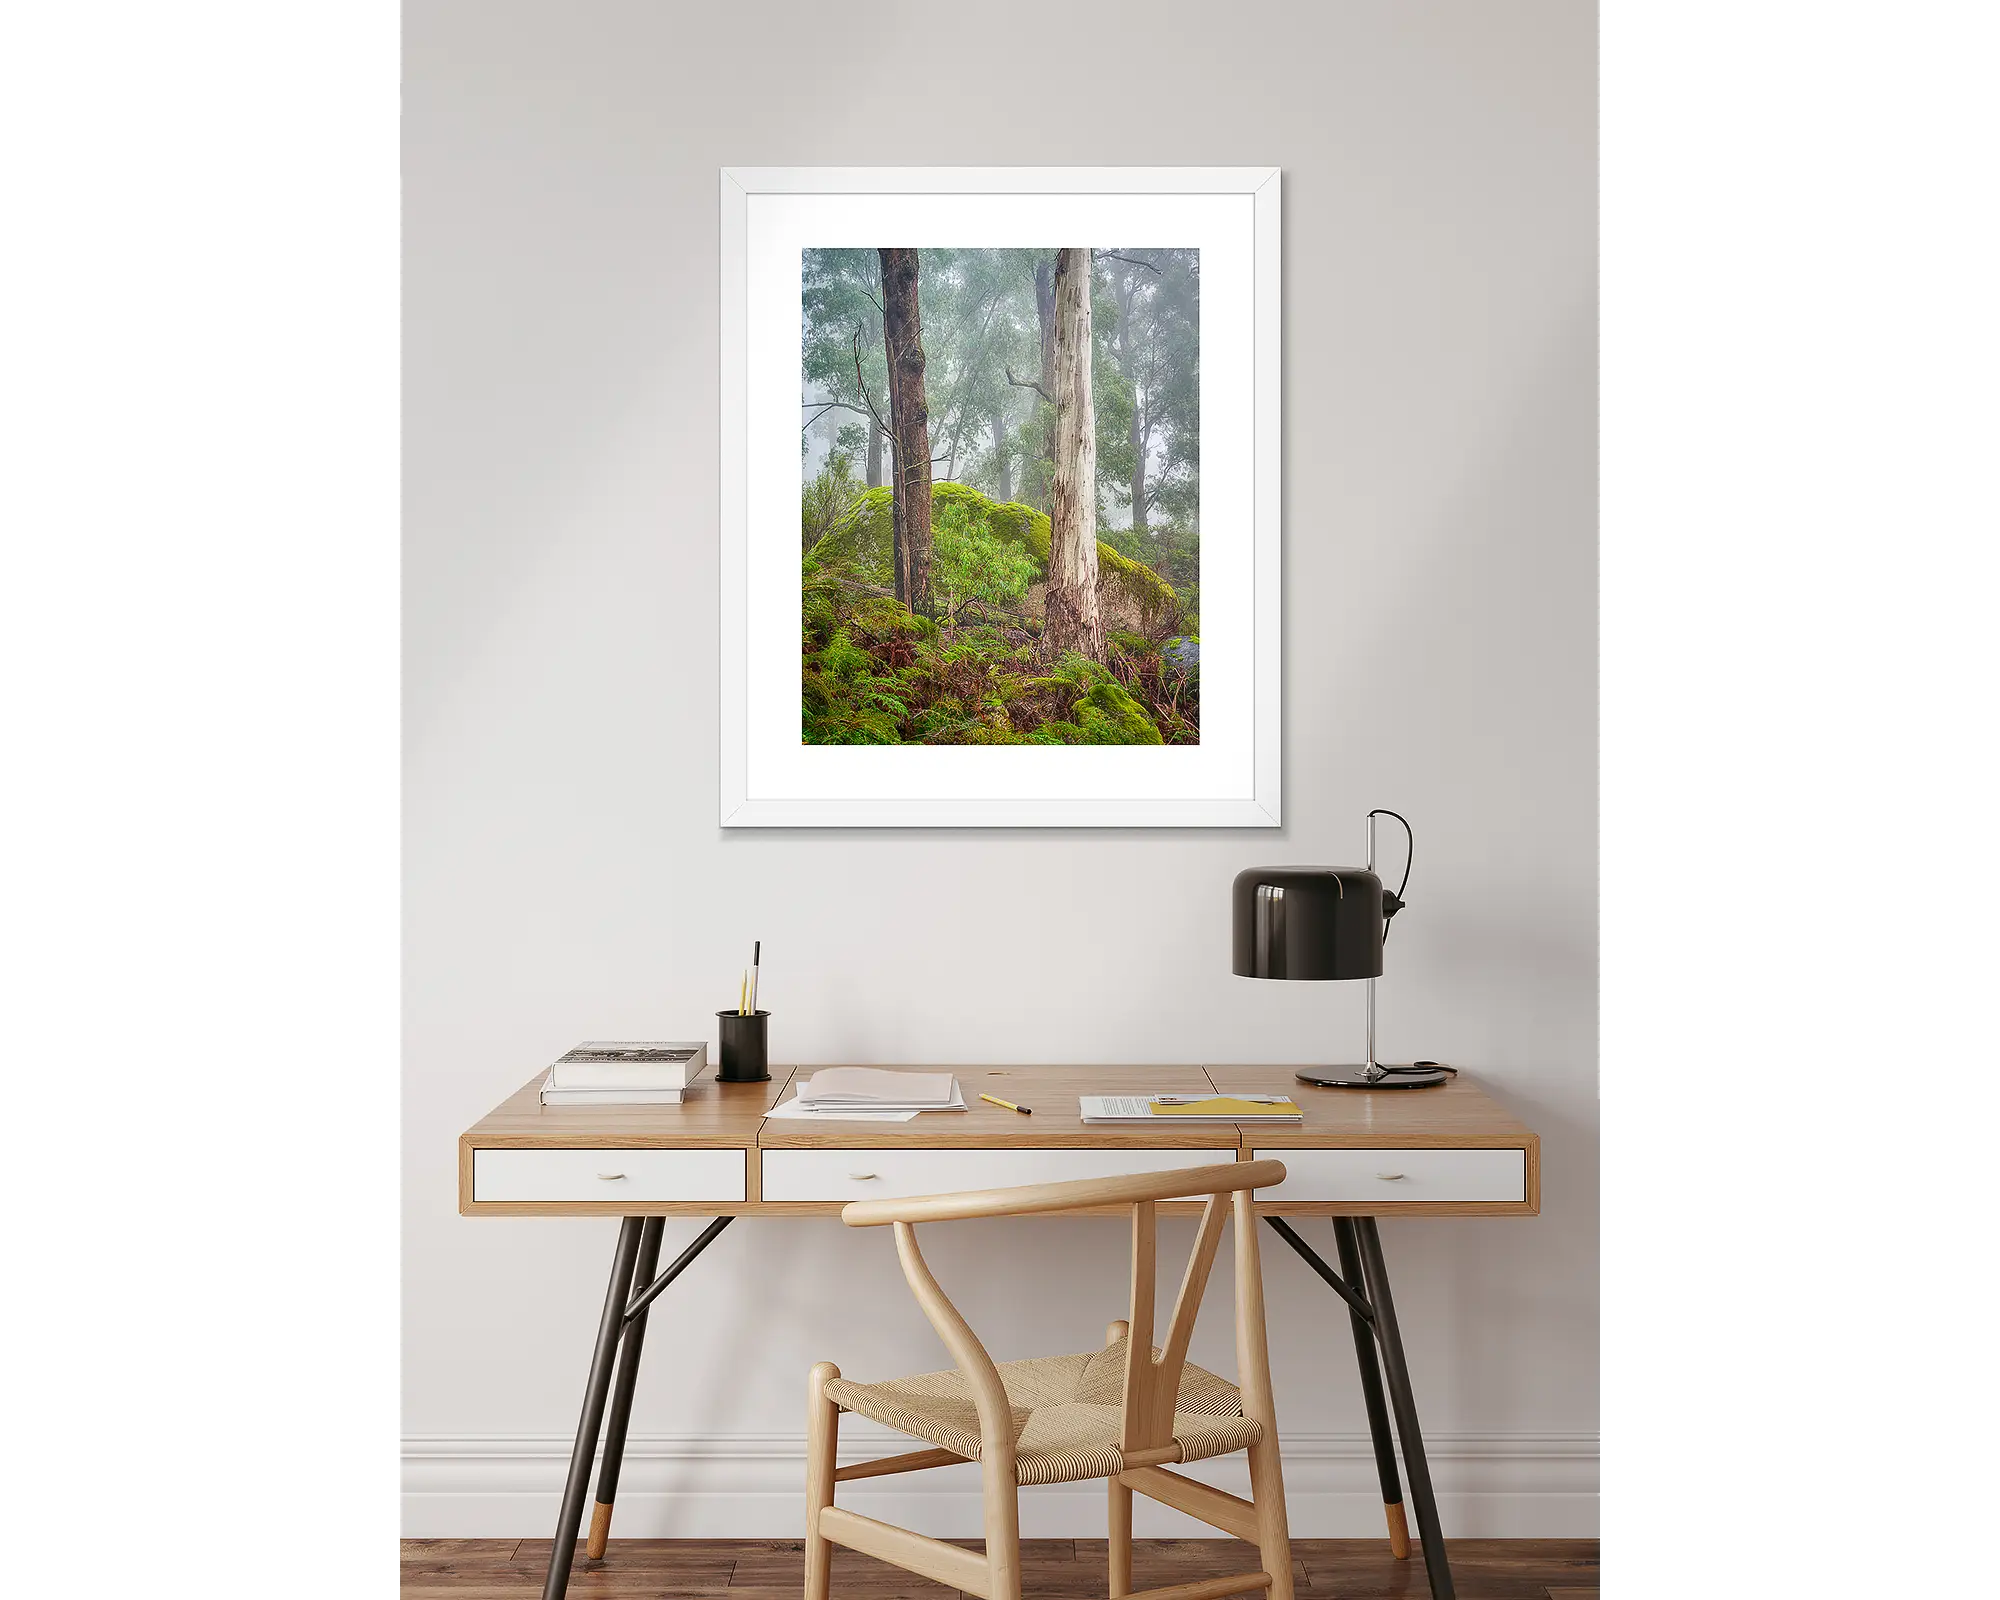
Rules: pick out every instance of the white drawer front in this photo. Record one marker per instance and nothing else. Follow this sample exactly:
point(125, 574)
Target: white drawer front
point(1395, 1177)
point(897, 1174)
point(608, 1175)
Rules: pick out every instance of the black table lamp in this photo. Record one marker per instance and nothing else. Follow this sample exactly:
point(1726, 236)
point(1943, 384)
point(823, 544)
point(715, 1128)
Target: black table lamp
point(1317, 923)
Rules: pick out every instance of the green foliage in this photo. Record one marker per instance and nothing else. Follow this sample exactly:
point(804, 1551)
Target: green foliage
point(1057, 733)
point(880, 675)
point(1033, 478)
point(1147, 321)
point(821, 596)
point(881, 617)
point(841, 658)
point(871, 672)
point(1112, 401)
point(841, 292)
point(828, 498)
point(1079, 672)
point(1174, 553)
point(971, 562)
point(861, 546)
point(1108, 715)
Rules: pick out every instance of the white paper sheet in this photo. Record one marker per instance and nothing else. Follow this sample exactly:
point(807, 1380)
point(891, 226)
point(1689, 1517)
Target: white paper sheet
point(876, 1087)
point(792, 1111)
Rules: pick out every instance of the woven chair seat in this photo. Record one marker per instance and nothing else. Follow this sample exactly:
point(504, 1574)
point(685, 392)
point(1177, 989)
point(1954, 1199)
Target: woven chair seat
point(1066, 1413)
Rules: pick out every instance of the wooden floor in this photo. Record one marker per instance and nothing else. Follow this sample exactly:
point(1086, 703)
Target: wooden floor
point(1060, 1569)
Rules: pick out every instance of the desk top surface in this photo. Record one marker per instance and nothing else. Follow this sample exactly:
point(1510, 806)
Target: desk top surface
point(715, 1115)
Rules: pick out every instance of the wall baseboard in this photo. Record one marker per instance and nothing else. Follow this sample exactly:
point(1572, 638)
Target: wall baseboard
point(751, 1486)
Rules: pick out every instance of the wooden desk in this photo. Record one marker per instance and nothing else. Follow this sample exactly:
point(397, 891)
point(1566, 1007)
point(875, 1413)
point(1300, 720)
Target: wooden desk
point(1359, 1155)
point(1456, 1152)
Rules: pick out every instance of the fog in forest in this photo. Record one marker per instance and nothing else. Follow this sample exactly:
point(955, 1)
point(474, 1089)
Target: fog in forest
point(1000, 495)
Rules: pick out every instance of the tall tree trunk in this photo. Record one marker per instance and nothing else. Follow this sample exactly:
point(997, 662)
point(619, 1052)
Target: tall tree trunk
point(1070, 612)
point(909, 419)
point(1000, 455)
point(1128, 367)
point(1045, 320)
point(874, 455)
point(1138, 473)
point(899, 550)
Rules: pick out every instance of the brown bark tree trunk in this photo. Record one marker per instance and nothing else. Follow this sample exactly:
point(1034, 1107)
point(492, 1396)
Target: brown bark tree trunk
point(899, 558)
point(1072, 621)
point(1000, 455)
point(899, 548)
point(909, 420)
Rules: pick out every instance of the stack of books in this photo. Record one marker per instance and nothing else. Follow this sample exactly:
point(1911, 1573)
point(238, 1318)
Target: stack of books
point(615, 1073)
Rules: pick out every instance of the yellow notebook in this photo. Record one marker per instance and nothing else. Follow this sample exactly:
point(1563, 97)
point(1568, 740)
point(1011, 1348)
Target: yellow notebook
point(1226, 1108)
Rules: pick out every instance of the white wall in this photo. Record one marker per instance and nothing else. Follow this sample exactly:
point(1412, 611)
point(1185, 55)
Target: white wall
point(565, 875)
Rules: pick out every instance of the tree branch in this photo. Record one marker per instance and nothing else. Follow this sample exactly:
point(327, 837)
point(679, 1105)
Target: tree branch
point(1134, 261)
point(824, 407)
point(1028, 383)
point(967, 371)
point(862, 384)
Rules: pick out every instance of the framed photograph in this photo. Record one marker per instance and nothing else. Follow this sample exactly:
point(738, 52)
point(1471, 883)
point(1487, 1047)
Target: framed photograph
point(1000, 497)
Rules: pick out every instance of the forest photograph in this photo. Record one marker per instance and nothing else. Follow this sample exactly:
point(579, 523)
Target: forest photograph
point(1000, 496)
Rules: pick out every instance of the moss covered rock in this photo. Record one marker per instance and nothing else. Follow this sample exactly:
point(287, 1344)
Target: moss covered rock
point(1108, 715)
point(1130, 595)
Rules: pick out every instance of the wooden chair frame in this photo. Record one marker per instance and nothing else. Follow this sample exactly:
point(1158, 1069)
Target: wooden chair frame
point(1146, 1440)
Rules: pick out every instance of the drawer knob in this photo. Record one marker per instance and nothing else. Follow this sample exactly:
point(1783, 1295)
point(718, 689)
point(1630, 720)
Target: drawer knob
point(1389, 1177)
point(610, 1176)
point(861, 1177)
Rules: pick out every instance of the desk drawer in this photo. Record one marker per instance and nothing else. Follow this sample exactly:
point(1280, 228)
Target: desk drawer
point(1400, 1177)
point(843, 1175)
point(608, 1175)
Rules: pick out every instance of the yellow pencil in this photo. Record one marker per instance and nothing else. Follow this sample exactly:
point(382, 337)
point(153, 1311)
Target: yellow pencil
point(996, 1100)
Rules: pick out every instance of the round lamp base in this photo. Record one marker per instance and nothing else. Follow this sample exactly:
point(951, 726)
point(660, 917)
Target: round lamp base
point(1414, 1075)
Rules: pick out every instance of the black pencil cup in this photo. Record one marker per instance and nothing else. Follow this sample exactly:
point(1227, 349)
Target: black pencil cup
point(746, 1054)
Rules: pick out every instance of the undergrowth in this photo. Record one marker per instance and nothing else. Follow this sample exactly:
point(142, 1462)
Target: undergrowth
point(874, 673)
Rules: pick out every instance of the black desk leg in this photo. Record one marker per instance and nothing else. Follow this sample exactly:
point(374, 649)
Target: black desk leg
point(1371, 1394)
point(1375, 1276)
point(608, 1330)
point(621, 1394)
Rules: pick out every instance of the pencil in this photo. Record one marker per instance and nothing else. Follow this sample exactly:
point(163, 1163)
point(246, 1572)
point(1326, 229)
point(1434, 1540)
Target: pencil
point(1025, 1111)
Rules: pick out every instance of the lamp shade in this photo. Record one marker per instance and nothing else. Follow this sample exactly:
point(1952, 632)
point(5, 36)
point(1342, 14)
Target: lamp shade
point(1307, 922)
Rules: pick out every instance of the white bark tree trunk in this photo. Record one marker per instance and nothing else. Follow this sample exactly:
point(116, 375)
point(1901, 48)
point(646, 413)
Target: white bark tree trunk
point(1071, 614)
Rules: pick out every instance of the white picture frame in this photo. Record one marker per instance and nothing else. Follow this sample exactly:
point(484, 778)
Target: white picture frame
point(1233, 777)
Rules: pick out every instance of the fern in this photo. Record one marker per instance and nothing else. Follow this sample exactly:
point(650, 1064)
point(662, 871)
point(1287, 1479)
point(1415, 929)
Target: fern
point(842, 658)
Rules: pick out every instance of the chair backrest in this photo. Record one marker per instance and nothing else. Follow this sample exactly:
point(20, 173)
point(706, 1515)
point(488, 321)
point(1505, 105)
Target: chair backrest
point(1151, 1382)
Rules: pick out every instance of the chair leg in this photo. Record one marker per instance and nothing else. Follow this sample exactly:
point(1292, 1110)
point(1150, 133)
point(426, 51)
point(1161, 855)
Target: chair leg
point(1119, 1544)
point(1001, 1491)
point(822, 1441)
point(1267, 1492)
point(1121, 1540)
point(1253, 1373)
